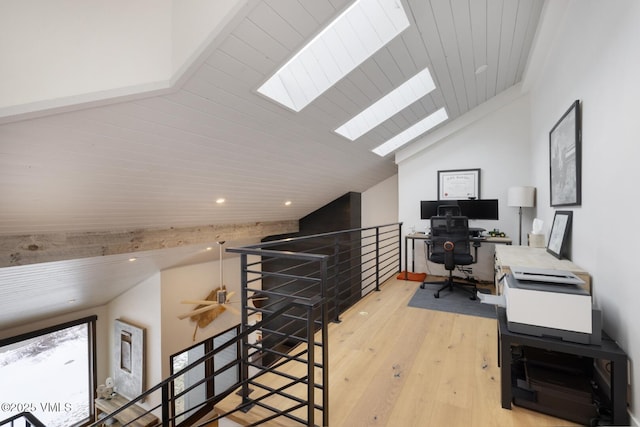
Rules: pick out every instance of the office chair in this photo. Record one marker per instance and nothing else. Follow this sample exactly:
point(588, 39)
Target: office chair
point(450, 245)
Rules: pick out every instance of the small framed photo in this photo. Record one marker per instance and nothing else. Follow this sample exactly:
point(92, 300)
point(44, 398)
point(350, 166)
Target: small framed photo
point(459, 184)
point(559, 237)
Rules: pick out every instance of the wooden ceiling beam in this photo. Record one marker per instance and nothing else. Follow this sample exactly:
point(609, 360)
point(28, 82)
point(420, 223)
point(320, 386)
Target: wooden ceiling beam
point(31, 249)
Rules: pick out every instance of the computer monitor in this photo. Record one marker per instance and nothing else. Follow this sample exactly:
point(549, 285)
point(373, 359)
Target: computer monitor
point(479, 209)
point(484, 209)
point(429, 208)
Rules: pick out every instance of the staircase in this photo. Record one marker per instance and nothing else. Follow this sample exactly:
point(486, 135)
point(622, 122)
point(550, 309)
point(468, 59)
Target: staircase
point(273, 368)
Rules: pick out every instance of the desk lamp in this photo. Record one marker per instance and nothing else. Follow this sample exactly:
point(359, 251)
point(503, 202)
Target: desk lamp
point(521, 197)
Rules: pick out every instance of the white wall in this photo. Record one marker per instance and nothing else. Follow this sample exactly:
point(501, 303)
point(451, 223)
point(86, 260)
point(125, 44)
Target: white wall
point(140, 306)
point(595, 59)
point(56, 49)
point(65, 52)
point(497, 144)
point(194, 282)
point(379, 204)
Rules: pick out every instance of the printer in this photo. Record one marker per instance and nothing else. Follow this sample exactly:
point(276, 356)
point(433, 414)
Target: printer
point(551, 303)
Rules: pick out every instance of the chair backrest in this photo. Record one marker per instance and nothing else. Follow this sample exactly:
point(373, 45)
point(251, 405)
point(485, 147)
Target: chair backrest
point(444, 210)
point(450, 228)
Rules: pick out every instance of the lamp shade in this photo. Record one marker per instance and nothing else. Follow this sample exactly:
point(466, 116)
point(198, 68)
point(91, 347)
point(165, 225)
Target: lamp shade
point(521, 197)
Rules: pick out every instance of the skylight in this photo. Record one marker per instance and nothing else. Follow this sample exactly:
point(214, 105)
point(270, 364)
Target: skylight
point(414, 131)
point(397, 100)
point(355, 35)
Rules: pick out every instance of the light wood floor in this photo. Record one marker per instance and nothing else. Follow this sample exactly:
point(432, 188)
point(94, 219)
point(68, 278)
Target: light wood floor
point(394, 365)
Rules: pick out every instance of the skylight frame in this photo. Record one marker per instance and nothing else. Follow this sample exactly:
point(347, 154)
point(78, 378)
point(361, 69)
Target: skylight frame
point(389, 105)
point(411, 133)
point(331, 54)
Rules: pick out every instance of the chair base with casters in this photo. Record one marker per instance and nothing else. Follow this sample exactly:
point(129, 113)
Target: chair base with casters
point(449, 284)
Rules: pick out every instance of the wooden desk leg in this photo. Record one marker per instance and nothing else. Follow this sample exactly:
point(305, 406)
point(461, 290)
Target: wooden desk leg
point(505, 373)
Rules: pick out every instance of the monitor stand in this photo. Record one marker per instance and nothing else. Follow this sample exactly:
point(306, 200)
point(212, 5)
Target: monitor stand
point(476, 232)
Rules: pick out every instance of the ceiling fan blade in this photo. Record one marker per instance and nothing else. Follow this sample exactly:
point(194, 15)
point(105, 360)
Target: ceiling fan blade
point(229, 295)
point(197, 311)
point(198, 301)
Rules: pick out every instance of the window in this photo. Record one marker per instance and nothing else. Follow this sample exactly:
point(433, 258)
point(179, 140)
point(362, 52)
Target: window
point(196, 390)
point(356, 34)
point(50, 373)
point(387, 106)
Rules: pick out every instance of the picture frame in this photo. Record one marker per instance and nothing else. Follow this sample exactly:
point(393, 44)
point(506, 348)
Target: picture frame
point(558, 244)
point(565, 165)
point(459, 184)
point(129, 359)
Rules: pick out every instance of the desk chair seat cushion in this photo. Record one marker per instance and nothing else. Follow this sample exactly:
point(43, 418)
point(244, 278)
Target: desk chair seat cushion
point(458, 259)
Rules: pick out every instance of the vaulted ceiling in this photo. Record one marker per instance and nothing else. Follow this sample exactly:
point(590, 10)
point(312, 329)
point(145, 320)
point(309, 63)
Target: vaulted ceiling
point(160, 160)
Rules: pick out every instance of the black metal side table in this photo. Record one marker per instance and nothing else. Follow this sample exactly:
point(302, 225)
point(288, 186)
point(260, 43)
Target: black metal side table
point(608, 350)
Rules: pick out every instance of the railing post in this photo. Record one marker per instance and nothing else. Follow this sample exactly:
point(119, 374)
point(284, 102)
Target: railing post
point(324, 318)
point(244, 366)
point(311, 366)
point(400, 247)
point(336, 275)
point(377, 258)
point(165, 404)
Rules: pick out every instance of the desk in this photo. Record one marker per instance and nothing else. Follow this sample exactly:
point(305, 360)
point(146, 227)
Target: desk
point(608, 350)
point(422, 236)
point(525, 256)
point(125, 417)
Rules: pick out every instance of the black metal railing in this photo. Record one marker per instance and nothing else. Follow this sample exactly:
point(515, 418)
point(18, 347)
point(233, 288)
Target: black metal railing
point(23, 419)
point(166, 387)
point(290, 290)
point(360, 260)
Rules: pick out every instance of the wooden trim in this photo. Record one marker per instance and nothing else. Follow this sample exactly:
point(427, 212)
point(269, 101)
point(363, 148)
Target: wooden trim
point(37, 248)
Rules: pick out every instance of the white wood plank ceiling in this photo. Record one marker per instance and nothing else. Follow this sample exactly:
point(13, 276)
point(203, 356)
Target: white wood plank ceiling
point(162, 161)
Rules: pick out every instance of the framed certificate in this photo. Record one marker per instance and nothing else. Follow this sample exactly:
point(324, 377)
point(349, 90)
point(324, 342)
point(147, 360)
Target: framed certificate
point(459, 184)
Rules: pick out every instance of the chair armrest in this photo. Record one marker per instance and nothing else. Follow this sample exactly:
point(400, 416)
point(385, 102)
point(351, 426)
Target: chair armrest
point(476, 245)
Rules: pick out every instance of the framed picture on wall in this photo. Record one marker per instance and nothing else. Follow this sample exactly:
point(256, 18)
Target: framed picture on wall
point(558, 238)
point(129, 359)
point(459, 184)
point(565, 147)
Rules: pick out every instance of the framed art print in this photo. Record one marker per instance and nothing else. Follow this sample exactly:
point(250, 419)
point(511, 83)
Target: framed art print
point(129, 359)
point(558, 238)
point(565, 147)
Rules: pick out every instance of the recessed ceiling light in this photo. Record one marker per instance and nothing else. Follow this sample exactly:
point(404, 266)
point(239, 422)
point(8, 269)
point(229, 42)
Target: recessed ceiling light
point(132, 259)
point(481, 69)
point(355, 35)
point(287, 203)
point(220, 201)
point(414, 131)
point(397, 100)
point(209, 248)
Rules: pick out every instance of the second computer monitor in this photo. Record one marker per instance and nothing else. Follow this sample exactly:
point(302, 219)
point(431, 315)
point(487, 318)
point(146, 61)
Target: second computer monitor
point(479, 209)
point(486, 209)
